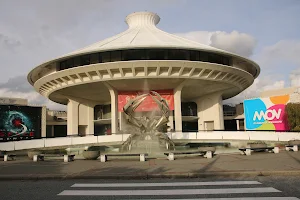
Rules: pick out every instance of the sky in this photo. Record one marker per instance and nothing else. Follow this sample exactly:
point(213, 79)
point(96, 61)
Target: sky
point(34, 31)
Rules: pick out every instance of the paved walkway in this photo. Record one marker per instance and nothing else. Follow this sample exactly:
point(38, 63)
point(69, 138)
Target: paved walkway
point(261, 163)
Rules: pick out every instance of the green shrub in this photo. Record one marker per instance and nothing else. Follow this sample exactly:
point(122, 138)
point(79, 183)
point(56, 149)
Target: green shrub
point(292, 111)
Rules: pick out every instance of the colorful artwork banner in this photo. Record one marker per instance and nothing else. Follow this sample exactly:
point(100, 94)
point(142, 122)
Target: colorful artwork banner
point(148, 104)
point(19, 122)
point(266, 113)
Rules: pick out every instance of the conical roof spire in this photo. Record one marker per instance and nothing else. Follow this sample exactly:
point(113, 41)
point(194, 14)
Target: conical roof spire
point(142, 19)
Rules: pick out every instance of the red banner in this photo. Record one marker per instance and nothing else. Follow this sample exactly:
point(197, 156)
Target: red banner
point(148, 104)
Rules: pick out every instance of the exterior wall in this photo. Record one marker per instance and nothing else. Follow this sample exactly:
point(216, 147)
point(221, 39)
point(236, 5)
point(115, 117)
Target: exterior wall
point(278, 92)
point(72, 114)
point(83, 114)
point(43, 123)
point(210, 112)
point(177, 109)
point(13, 101)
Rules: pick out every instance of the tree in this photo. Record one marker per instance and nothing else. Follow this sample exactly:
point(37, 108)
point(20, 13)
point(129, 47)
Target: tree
point(292, 111)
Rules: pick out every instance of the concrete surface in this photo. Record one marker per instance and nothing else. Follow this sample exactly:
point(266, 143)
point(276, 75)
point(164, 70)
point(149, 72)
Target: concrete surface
point(259, 163)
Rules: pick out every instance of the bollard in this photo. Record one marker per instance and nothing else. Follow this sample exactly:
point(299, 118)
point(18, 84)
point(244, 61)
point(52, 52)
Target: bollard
point(5, 157)
point(208, 154)
point(35, 158)
point(276, 150)
point(103, 158)
point(248, 152)
point(295, 148)
point(171, 156)
point(66, 158)
point(142, 157)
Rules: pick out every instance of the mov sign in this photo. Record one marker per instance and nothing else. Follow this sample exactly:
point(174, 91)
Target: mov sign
point(266, 113)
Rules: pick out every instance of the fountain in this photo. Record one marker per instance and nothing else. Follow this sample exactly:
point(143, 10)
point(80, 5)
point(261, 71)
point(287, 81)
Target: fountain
point(149, 134)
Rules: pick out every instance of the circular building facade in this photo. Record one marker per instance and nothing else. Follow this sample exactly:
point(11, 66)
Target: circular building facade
point(143, 58)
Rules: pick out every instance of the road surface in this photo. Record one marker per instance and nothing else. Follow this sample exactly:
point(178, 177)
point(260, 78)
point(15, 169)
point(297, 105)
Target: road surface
point(258, 188)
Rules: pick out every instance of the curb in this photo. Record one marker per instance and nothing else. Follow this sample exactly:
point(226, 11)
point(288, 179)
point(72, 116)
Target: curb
point(150, 176)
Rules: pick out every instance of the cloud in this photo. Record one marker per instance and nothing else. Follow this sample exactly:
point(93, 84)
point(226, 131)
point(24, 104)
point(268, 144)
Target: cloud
point(295, 78)
point(18, 87)
point(235, 42)
point(254, 91)
point(9, 43)
point(281, 58)
point(239, 43)
point(202, 37)
point(284, 51)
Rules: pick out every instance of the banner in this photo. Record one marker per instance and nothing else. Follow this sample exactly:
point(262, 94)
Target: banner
point(266, 113)
point(19, 122)
point(148, 104)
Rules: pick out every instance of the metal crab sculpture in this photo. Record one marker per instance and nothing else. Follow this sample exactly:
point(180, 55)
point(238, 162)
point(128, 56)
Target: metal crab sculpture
point(148, 127)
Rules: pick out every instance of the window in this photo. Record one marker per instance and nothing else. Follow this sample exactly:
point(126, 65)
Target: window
point(146, 54)
point(94, 58)
point(63, 65)
point(157, 54)
point(177, 54)
point(194, 55)
point(203, 56)
point(105, 57)
point(115, 56)
point(226, 61)
point(76, 61)
point(85, 60)
point(69, 63)
point(136, 54)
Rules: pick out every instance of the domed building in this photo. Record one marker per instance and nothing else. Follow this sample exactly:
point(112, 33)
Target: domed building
point(94, 81)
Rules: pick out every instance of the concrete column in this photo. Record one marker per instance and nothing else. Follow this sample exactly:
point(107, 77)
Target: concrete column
point(90, 121)
point(210, 112)
point(122, 121)
point(220, 125)
point(237, 124)
point(114, 108)
point(177, 108)
point(72, 114)
point(52, 130)
point(171, 122)
point(44, 121)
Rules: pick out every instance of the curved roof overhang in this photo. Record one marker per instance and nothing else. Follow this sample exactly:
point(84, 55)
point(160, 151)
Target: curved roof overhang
point(38, 68)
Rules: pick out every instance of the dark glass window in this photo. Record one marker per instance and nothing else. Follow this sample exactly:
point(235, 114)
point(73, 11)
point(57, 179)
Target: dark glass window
point(115, 56)
point(76, 61)
point(63, 65)
point(214, 58)
point(194, 55)
point(105, 56)
point(203, 56)
point(69, 63)
point(94, 58)
point(145, 54)
point(137, 54)
point(177, 54)
point(85, 60)
point(226, 61)
point(157, 54)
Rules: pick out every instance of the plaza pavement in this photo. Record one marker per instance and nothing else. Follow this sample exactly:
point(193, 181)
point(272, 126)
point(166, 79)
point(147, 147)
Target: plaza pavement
point(231, 164)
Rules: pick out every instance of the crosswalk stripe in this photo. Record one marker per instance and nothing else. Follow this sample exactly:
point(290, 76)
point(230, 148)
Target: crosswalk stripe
point(165, 192)
point(164, 184)
point(244, 198)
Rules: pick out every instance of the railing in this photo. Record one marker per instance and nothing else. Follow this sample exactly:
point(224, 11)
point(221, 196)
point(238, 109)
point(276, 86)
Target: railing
point(229, 113)
point(201, 135)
